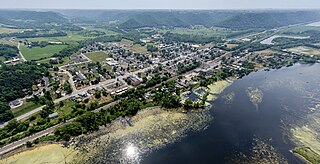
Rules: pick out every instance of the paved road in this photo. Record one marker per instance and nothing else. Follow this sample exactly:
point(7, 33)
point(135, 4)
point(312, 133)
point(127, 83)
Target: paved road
point(23, 58)
point(21, 142)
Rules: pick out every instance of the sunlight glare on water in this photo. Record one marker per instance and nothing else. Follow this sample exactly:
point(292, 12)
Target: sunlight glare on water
point(131, 153)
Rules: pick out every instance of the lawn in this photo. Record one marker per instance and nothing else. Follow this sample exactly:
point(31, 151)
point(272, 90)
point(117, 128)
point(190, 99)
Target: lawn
point(37, 53)
point(66, 108)
point(25, 108)
point(97, 56)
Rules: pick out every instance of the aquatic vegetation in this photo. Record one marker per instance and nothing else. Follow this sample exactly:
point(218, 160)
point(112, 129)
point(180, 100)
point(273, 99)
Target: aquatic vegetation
point(255, 95)
point(228, 98)
point(261, 152)
point(308, 154)
point(152, 128)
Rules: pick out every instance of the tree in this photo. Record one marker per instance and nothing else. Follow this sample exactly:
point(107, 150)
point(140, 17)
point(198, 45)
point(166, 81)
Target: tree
point(28, 144)
point(5, 112)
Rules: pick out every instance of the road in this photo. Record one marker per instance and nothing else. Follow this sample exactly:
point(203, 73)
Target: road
point(21, 142)
point(23, 58)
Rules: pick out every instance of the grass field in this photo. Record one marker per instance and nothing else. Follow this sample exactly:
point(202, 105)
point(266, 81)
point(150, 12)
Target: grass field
point(3, 41)
point(301, 28)
point(66, 108)
point(108, 32)
point(37, 53)
point(126, 42)
point(266, 52)
point(97, 56)
point(25, 108)
point(9, 30)
point(51, 153)
point(305, 50)
point(210, 32)
point(137, 48)
point(71, 38)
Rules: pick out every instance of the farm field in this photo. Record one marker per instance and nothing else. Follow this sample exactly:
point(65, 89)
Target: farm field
point(97, 56)
point(9, 30)
point(305, 50)
point(37, 53)
point(301, 28)
point(266, 52)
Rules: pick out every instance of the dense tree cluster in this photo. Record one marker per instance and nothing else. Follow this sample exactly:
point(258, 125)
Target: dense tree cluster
point(17, 80)
point(8, 51)
point(152, 48)
point(5, 113)
point(185, 68)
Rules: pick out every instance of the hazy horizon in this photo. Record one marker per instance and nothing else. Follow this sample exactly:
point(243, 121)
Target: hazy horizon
point(164, 4)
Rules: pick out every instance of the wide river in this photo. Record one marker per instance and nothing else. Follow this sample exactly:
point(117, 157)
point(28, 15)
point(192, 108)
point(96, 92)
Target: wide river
point(255, 120)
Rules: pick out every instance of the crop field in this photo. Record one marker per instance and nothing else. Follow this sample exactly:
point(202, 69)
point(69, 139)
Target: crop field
point(266, 52)
point(97, 56)
point(305, 50)
point(71, 38)
point(37, 53)
point(301, 28)
point(203, 31)
point(108, 32)
point(211, 32)
point(9, 30)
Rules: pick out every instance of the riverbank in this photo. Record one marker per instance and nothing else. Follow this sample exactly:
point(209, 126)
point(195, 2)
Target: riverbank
point(216, 88)
point(150, 129)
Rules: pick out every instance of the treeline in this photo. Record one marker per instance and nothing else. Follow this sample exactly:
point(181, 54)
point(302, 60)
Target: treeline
point(16, 80)
point(8, 51)
point(33, 34)
point(36, 20)
point(198, 39)
point(5, 112)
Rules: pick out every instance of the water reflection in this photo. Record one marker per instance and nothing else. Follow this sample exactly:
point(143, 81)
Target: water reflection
point(131, 154)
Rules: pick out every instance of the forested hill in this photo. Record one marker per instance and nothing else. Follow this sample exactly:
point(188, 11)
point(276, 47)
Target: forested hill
point(269, 19)
point(34, 19)
point(129, 19)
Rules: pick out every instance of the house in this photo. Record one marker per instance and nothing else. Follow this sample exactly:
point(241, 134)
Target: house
point(83, 94)
point(53, 115)
point(15, 103)
point(134, 80)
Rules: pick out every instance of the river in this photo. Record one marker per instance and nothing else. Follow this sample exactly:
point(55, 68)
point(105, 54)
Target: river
point(256, 119)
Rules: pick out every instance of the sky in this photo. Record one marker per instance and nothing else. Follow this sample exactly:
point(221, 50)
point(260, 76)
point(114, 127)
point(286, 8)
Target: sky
point(160, 4)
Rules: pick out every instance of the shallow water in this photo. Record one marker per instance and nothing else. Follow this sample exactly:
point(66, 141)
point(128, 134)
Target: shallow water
point(257, 119)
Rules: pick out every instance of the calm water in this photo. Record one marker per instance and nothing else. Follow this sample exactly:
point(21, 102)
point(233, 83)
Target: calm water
point(239, 122)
